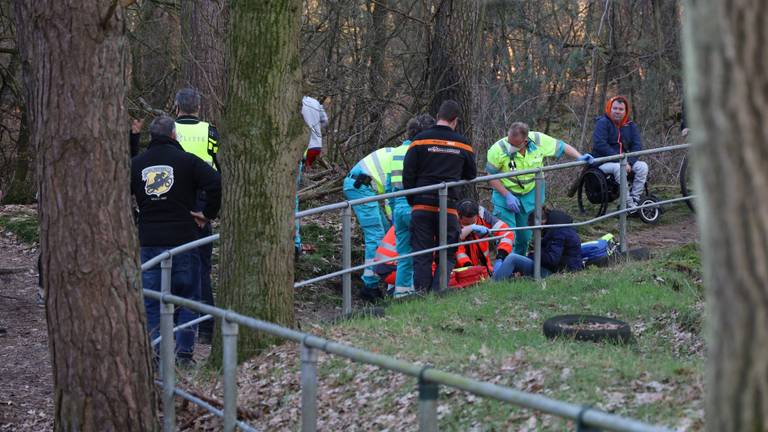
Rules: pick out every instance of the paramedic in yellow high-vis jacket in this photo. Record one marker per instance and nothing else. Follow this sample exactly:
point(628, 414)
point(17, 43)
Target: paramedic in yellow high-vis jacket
point(514, 198)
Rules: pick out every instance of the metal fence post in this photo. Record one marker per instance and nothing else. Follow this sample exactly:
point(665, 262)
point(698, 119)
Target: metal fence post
point(427, 406)
point(229, 332)
point(346, 259)
point(623, 205)
point(308, 389)
point(443, 254)
point(537, 231)
point(167, 355)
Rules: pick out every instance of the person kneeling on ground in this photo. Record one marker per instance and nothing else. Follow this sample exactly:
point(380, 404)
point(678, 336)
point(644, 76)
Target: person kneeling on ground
point(476, 223)
point(560, 249)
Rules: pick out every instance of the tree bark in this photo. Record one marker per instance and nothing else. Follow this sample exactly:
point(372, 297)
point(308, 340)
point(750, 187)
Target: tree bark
point(264, 141)
point(75, 67)
point(204, 32)
point(726, 81)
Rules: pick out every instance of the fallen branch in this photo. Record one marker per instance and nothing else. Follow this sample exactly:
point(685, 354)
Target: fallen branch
point(320, 193)
point(11, 270)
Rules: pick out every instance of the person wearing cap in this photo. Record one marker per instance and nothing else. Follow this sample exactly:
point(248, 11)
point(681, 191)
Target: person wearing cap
point(616, 134)
point(514, 198)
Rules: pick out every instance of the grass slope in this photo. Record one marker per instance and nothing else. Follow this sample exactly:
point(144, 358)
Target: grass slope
point(493, 333)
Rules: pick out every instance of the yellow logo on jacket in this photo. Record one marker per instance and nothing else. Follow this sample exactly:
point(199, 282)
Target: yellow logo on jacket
point(158, 179)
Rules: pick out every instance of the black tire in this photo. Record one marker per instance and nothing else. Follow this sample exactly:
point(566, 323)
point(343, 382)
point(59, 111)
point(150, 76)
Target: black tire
point(593, 193)
point(556, 327)
point(685, 183)
point(649, 215)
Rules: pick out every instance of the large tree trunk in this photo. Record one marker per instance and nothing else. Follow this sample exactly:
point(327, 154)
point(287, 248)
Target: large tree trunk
point(75, 63)
point(204, 32)
point(726, 82)
point(453, 57)
point(264, 140)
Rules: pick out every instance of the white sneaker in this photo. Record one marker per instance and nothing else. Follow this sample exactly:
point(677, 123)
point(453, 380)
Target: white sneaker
point(401, 292)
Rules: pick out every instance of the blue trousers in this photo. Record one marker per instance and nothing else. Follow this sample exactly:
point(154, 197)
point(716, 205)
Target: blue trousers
point(297, 222)
point(500, 210)
point(373, 223)
point(402, 220)
point(515, 263)
point(185, 282)
point(205, 253)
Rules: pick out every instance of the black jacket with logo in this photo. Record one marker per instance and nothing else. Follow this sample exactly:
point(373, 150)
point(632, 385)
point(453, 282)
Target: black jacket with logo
point(165, 181)
point(437, 155)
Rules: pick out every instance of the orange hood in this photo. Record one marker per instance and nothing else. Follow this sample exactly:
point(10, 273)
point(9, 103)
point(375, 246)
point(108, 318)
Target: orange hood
point(608, 104)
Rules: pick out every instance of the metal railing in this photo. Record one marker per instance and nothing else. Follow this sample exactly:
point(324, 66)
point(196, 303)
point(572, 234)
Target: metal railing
point(442, 189)
point(429, 379)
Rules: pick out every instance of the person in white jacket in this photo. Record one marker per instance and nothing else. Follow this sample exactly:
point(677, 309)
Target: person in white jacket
point(316, 119)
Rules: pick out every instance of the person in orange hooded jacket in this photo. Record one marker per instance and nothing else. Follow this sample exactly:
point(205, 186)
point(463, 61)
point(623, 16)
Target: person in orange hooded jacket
point(615, 134)
point(477, 222)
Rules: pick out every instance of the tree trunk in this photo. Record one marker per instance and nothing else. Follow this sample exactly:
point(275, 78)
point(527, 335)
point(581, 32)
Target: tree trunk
point(452, 55)
point(725, 84)
point(22, 187)
point(203, 29)
point(264, 140)
point(75, 63)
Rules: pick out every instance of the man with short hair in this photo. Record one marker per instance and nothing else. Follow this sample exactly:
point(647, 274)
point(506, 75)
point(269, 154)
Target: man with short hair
point(165, 181)
point(615, 134)
point(201, 139)
point(514, 198)
point(476, 223)
point(436, 155)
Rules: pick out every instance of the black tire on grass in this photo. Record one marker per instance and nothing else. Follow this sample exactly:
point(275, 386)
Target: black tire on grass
point(553, 328)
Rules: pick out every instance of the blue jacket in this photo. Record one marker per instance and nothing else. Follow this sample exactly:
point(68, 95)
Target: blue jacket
point(605, 138)
point(560, 247)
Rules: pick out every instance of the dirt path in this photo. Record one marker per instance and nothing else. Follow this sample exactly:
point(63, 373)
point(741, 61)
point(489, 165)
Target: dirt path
point(682, 231)
point(25, 376)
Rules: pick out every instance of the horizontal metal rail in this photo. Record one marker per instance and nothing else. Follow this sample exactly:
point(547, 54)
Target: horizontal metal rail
point(179, 249)
point(183, 326)
point(590, 416)
point(435, 187)
point(210, 408)
point(486, 239)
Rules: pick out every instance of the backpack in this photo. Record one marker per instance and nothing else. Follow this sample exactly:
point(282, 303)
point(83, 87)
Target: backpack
point(467, 276)
point(596, 252)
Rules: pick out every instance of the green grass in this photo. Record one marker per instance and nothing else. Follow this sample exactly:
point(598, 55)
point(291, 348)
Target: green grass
point(494, 330)
point(24, 226)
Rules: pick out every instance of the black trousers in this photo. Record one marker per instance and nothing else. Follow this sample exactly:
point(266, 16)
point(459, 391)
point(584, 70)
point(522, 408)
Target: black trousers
point(425, 234)
point(205, 253)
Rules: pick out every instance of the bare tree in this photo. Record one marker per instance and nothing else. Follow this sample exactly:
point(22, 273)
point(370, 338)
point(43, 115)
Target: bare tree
point(264, 140)
point(726, 83)
point(75, 63)
point(204, 32)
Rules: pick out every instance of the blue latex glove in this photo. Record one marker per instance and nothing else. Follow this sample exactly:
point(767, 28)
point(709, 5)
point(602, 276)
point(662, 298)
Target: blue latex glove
point(513, 203)
point(480, 230)
point(497, 265)
point(587, 158)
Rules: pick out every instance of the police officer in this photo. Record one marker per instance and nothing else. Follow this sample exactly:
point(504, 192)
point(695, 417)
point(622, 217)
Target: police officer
point(202, 140)
point(165, 181)
point(514, 198)
point(436, 155)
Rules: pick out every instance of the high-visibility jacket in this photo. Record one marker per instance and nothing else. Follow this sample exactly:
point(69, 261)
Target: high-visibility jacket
point(194, 138)
point(395, 179)
point(476, 254)
point(377, 166)
point(503, 157)
point(386, 250)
